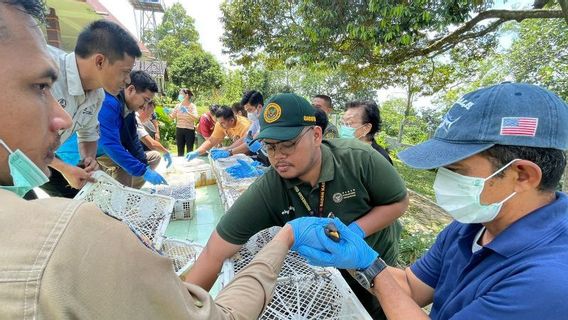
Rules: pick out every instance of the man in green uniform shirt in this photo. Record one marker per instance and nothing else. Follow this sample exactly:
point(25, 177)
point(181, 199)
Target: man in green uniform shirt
point(308, 176)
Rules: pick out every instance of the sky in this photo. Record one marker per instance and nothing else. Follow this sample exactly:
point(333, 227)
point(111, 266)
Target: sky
point(207, 14)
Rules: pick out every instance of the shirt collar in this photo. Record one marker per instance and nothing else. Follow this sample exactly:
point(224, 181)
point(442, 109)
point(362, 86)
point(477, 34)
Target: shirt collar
point(327, 172)
point(539, 227)
point(74, 84)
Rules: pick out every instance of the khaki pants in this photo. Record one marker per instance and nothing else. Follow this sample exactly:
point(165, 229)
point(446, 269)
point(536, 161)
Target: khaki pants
point(115, 171)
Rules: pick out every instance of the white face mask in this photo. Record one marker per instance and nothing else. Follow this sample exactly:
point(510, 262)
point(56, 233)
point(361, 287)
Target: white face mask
point(460, 196)
point(252, 116)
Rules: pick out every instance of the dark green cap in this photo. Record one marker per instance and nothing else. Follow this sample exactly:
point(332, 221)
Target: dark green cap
point(284, 116)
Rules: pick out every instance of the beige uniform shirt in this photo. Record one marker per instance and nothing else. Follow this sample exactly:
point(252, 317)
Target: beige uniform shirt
point(64, 259)
point(83, 107)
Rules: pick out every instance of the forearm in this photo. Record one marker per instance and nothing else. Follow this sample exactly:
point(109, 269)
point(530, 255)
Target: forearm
point(208, 144)
point(88, 149)
point(59, 165)
point(382, 216)
point(396, 303)
point(242, 148)
point(237, 143)
point(153, 144)
point(205, 271)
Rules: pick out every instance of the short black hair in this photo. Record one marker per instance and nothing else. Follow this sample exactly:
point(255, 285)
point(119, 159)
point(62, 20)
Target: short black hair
point(371, 114)
point(252, 97)
point(321, 119)
point(187, 91)
point(107, 38)
point(35, 8)
point(238, 107)
point(142, 81)
point(224, 112)
point(213, 108)
point(551, 162)
point(325, 98)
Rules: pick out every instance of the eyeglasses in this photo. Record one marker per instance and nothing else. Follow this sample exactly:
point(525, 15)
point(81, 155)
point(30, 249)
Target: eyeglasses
point(284, 147)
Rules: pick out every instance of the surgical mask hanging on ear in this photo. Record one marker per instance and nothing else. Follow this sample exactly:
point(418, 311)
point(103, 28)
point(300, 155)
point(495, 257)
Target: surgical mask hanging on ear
point(26, 175)
point(460, 196)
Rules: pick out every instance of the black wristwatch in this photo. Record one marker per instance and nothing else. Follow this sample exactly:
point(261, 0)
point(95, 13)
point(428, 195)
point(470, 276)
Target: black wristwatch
point(365, 277)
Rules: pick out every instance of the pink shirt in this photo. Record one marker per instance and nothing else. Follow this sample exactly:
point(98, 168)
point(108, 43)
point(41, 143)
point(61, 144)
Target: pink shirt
point(185, 119)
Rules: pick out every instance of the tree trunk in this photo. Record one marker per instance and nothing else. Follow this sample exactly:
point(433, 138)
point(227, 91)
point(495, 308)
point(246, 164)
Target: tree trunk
point(409, 96)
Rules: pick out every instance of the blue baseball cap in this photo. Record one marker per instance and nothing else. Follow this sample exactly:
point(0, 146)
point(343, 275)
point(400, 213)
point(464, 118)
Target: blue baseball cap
point(514, 114)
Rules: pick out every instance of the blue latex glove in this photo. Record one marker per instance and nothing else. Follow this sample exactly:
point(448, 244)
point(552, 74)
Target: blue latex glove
point(153, 177)
point(192, 155)
point(243, 170)
point(219, 154)
point(353, 226)
point(351, 252)
point(167, 110)
point(253, 145)
point(168, 158)
point(183, 110)
point(305, 230)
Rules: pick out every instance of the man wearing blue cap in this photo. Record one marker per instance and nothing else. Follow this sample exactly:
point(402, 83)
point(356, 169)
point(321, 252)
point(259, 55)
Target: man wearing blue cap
point(499, 154)
point(311, 177)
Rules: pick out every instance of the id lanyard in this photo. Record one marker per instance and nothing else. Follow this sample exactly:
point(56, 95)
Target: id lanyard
point(307, 205)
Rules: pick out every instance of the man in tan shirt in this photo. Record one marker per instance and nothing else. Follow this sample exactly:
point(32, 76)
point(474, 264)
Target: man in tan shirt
point(65, 259)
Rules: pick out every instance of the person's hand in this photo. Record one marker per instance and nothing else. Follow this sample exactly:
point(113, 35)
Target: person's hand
point(353, 226)
point(219, 154)
point(305, 231)
point(168, 158)
point(253, 145)
point(243, 170)
point(90, 164)
point(351, 252)
point(183, 110)
point(192, 155)
point(157, 136)
point(77, 177)
point(153, 177)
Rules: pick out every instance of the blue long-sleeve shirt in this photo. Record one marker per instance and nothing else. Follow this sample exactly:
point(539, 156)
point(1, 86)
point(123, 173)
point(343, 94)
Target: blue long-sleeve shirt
point(119, 140)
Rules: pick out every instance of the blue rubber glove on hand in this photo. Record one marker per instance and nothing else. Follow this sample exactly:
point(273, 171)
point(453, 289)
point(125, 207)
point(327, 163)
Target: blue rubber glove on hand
point(253, 145)
point(353, 226)
point(351, 252)
point(192, 155)
point(153, 177)
point(305, 230)
point(243, 170)
point(167, 110)
point(183, 110)
point(168, 158)
point(219, 154)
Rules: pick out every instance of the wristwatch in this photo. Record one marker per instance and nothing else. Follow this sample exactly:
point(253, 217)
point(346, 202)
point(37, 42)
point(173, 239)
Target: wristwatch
point(230, 151)
point(365, 277)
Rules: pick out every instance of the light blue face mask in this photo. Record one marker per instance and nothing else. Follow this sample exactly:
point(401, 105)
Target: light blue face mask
point(181, 97)
point(348, 132)
point(460, 196)
point(25, 174)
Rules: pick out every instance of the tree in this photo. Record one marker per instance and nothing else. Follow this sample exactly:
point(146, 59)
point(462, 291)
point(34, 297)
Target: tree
point(196, 70)
point(175, 34)
point(362, 33)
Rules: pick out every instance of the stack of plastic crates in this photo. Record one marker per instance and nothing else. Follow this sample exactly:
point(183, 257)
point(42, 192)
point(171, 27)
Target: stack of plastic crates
point(181, 187)
point(302, 291)
point(147, 214)
point(230, 188)
point(183, 254)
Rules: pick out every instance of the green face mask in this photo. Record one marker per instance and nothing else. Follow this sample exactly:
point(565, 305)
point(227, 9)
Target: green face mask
point(25, 174)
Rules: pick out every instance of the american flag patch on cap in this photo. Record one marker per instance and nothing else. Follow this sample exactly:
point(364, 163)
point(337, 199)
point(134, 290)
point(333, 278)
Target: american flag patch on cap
point(519, 126)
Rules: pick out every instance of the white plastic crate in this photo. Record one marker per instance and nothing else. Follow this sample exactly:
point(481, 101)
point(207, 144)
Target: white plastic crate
point(148, 214)
point(185, 195)
point(302, 291)
point(200, 168)
point(183, 254)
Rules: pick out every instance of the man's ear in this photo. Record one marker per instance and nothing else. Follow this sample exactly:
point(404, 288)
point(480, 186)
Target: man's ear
point(528, 175)
point(99, 60)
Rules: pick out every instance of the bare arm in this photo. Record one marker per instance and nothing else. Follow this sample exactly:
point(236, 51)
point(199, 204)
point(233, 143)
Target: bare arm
point(381, 216)
point(76, 176)
point(88, 152)
point(208, 144)
point(237, 143)
point(402, 294)
point(153, 144)
point(157, 127)
point(205, 270)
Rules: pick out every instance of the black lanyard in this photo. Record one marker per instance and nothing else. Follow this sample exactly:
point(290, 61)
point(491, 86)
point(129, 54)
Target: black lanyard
point(307, 205)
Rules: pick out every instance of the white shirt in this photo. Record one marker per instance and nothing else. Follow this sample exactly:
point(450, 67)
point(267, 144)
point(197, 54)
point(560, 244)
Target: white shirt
point(140, 130)
point(83, 107)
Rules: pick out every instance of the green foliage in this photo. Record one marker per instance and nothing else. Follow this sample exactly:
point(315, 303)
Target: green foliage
point(176, 34)
point(196, 70)
point(167, 125)
point(421, 181)
point(414, 245)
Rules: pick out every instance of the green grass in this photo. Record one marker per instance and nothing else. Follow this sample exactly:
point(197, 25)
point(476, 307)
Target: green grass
point(420, 181)
point(73, 17)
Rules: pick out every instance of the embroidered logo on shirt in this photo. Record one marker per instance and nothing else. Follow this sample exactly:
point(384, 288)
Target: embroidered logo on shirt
point(339, 197)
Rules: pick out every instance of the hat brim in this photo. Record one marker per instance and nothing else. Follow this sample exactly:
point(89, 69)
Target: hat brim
point(436, 153)
point(279, 133)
